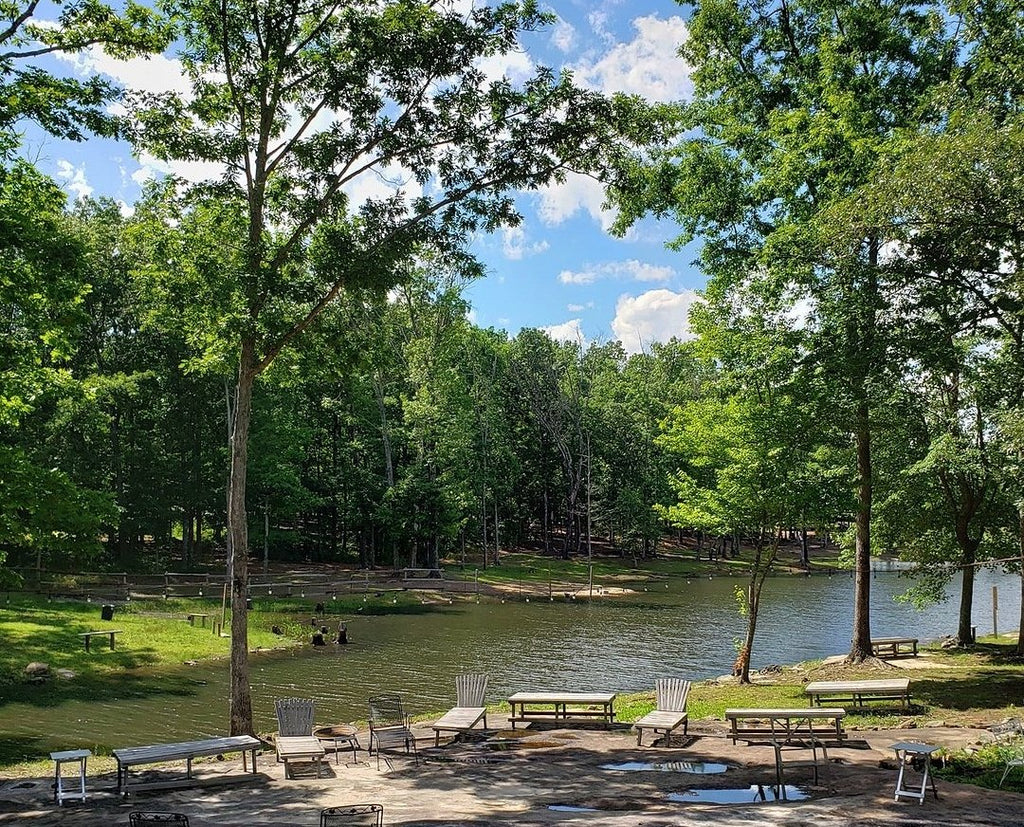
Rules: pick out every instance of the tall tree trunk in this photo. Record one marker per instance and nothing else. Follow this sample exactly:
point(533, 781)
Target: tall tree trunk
point(969, 550)
point(1020, 539)
point(860, 645)
point(238, 531)
point(759, 571)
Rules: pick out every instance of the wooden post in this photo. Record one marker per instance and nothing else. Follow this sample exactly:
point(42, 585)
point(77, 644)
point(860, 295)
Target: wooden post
point(224, 606)
point(995, 611)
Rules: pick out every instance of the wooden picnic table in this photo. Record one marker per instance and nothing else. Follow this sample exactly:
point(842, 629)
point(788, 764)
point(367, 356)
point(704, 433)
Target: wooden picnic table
point(562, 707)
point(786, 725)
point(86, 636)
point(856, 692)
point(894, 647)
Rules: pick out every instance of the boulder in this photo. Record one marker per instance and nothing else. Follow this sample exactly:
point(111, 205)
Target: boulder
point(37, 669)
point(65, 674)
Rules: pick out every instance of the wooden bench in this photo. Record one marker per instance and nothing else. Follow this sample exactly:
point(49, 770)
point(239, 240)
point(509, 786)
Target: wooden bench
point(185, 750)
point(894, 647)
point(563, 707)
point(786, 725)
point(87, 636)
point(856, 692)
point(192, 618)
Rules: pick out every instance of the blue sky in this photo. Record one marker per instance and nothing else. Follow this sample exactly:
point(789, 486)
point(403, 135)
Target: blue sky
point(561, 270)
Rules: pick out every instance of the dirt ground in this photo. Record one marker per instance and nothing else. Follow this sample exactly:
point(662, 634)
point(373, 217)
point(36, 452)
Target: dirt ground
point(516, 778)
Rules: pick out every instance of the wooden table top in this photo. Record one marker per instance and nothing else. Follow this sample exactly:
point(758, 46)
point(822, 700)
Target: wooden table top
point(562, 698)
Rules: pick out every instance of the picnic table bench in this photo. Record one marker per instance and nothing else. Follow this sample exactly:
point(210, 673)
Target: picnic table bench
point(564, 707)
point(86, 636)
point(192, 618)
point(422, 574)
point(856, 692)
point(184, 750)
point(786, 725)
point(893, 647)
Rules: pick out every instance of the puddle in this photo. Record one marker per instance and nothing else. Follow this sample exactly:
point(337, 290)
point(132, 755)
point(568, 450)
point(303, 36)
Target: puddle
point(754, 794)
point(570, 808)
point(696, 768)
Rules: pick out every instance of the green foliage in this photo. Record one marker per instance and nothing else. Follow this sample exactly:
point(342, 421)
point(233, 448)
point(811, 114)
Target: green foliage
point(67, 107)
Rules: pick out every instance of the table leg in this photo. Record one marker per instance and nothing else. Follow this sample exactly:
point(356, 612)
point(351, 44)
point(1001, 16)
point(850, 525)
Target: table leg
point(58, 790)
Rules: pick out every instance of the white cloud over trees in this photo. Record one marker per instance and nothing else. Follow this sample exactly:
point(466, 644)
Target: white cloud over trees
point(654, 316)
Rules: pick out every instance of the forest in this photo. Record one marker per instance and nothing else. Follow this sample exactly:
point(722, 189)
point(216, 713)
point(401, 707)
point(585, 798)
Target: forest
point(258, 364)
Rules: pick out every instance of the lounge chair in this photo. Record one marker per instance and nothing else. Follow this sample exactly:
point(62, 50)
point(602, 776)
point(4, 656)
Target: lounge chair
point(295, 740)
point(670, 709)
point(469, 709)
point(356, 815)
point(137, 817)
point(389, 726)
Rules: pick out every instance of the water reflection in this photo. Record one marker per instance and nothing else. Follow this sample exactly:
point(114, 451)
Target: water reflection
point(695, 768)
point(754, 794)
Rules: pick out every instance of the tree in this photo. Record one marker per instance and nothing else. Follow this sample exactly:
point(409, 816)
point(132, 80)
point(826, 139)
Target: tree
point(67, 107)
point(42, 288)
point(793, 103)
point(302, 103)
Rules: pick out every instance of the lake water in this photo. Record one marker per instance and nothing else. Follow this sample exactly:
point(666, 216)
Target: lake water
point(621, 645)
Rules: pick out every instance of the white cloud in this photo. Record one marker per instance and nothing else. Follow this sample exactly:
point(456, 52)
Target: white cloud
point(383, 183)
point(515, 246)
point(581, 277)
point(654, 316)
point(649, 65)
point(632, 269)
point(577, 308)
point(153, 74)
point(559, 202)
point(516, 66)
point(563, 36)
point(75, 178)
point(599, 23)
point(194, 171)
point(569, 331)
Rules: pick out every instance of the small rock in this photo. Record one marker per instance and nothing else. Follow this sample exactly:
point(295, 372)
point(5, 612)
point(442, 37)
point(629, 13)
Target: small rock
point(37, 669)
point(65, 674)
point(935, 724)
point(191, 663)
point(908, 723)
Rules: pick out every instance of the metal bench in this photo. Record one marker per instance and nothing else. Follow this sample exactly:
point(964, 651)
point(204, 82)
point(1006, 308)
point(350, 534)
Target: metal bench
point(856, 692)
point(182, 751)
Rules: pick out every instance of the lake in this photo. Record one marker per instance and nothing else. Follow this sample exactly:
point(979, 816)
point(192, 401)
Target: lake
point(686, 629)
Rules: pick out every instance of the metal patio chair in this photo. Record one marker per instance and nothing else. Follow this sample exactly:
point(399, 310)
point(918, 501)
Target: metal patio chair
point(356, 815)
point(389, 726)
point(1010, 734)
point(138, 817)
